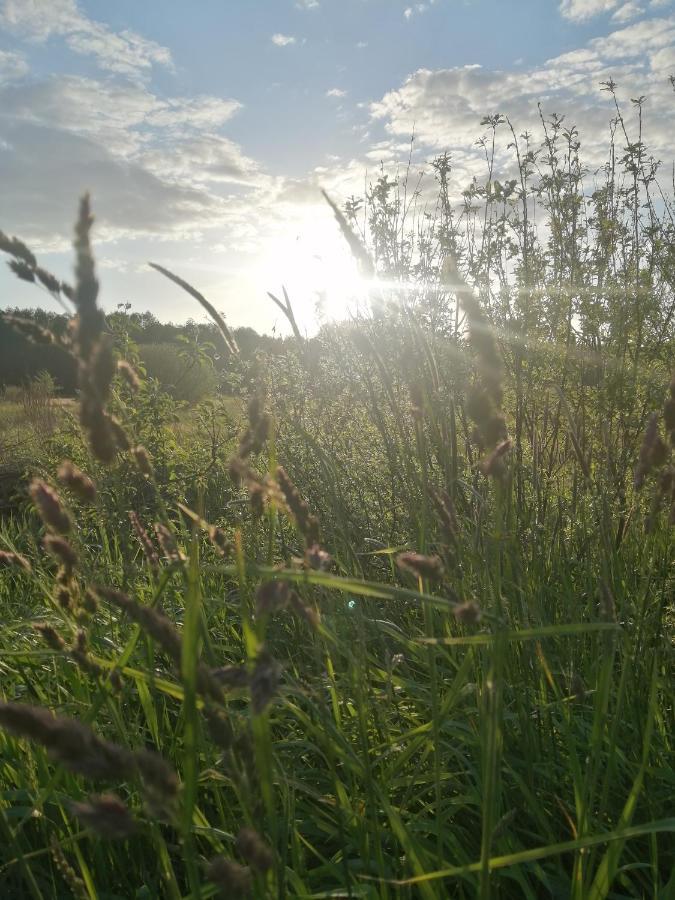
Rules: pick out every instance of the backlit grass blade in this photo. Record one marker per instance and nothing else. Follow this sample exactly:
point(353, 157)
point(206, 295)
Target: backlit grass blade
point(537, 853)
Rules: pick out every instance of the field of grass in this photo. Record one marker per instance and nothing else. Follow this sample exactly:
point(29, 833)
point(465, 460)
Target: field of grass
point(405, 629)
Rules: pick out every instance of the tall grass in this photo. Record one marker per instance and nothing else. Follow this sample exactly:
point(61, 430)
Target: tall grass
point(409, 634)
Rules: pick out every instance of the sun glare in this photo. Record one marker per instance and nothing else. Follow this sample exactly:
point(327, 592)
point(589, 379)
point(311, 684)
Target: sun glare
point(312, 261)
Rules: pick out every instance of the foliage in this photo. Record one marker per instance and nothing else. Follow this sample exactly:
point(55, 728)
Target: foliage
point(139, 335)
point(184, 377)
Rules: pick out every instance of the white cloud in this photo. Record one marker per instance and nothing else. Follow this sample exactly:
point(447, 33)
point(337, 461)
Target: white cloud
point(47, 169)
point(307, 4)
point(582, 10)
point(124, 52)
point(417, 9)
point(122, 116)
point(637, 40)
point(202, 160)
point(193, 112)
point(361, 45)
point(154, 165)
point(445, 107)
point(283, 40)
point(627, 12)
point(12, 65)
point(336, 92)
point(663, 62)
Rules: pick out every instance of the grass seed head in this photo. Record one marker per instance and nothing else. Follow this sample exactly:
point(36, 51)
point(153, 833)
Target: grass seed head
point(254, 438)
point(421, 566)
point(231, 676)
point(160, 783)
point(118, 434)
point(254, 850)
point(168, 544)
point(64, 597)
point(107, 815)
point(50, 636)
point(16, 248)
point(78, 653)
point(77, 482)
point(493, 464)
point(155, 623)
point(99, 429)
point(271, 597)
point(22, 270)
point(90, 602)
point(102, 368)
point(129, 374)
point(207, 684)
point(264, 681)
point(90, 321)
point(220, 540)
point(307, 523)
point(445, 510)
point(308, 613)
point(232, 880)
point(669, 416)
point(75, 884)
point(33, 332)
point(48, 281)
point(63, 550)
point(67, 741)
point(142, 458)
point(220, 727)
point(49, 505)
point(14, 560)
point(468, 613)
point(256, 497)
point(316, 558)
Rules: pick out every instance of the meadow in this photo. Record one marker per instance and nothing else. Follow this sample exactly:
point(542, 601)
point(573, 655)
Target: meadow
point(392, 616)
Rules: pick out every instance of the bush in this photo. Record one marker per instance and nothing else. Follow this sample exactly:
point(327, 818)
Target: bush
point(183, 379)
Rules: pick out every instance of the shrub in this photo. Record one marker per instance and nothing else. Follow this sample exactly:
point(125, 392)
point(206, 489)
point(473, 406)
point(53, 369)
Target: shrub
point(184, 379)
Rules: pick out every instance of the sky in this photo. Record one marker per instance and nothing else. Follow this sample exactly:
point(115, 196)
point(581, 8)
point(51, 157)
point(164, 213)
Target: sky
point(205, 130)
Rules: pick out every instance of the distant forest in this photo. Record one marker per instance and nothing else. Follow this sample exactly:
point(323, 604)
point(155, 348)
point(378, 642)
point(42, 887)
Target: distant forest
point(185, 358)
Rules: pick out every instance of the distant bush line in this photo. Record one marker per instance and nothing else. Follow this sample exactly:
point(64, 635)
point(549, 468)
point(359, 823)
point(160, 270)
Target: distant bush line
point(22, 361)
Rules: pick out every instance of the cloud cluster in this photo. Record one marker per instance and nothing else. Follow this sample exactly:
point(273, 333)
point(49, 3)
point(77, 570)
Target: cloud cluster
point(417, 9)
point(582, 10)
point(627, 12)
point(282, 40)
point(155, 164)
point(125, 52)
point(44, 170)
point(444, 107)
point(122, 115)
point(12, 65)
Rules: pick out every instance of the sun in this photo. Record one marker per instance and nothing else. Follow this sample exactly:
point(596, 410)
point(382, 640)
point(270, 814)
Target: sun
point(311, 259)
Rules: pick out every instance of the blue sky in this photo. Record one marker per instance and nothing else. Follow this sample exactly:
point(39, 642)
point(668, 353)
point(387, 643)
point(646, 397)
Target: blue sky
point(204, 130)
